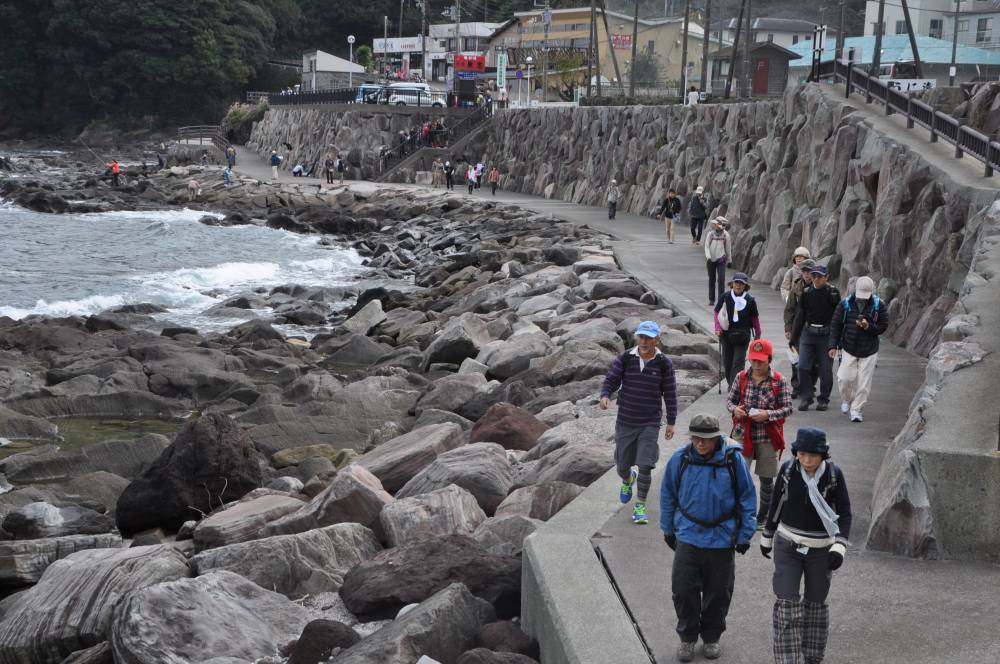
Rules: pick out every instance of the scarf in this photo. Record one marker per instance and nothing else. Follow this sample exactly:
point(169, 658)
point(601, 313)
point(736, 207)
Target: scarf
point(825, 512)
point(739, 304)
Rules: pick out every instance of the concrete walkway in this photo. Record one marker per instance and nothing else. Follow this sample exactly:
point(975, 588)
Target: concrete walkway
point(884, 608)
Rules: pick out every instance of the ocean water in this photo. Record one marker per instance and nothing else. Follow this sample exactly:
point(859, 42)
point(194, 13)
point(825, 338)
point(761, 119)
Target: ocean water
point(80, 264)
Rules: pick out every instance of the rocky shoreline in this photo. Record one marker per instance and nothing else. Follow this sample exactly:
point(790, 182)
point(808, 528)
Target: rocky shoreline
point(359, 496)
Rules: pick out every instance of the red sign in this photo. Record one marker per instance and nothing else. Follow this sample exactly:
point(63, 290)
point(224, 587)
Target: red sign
point(470, 63)
point(621, 41)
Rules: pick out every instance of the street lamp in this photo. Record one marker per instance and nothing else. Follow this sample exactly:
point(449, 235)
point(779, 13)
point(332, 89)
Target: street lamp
point(350, 57)
point(529, 60)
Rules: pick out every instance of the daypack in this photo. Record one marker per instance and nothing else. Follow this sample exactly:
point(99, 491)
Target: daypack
point(340, 165)
point(730, 464)
point(876, 304)
point(786, 476)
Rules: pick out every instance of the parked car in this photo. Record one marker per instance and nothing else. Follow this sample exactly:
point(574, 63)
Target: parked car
point(368, 93)
point(413, 97)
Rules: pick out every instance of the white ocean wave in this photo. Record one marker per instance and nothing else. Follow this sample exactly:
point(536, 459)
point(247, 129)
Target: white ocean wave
point(82, 307)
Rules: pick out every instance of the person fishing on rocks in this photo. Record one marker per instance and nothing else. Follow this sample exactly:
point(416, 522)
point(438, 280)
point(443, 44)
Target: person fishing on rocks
point(647, 383)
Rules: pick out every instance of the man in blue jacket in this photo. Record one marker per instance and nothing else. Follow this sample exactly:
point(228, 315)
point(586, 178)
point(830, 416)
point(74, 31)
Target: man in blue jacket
point(707, 511)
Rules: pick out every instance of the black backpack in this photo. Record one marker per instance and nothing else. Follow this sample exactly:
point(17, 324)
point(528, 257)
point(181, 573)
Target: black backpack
point(786, 476)
point(729, 463)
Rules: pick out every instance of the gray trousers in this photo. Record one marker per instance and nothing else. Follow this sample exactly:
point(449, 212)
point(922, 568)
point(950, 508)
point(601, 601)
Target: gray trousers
point(800, 627)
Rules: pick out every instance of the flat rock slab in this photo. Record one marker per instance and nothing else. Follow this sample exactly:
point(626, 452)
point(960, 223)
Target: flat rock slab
point(23, 561)
point(445, 511)
point(395, 462)
point(243, 521)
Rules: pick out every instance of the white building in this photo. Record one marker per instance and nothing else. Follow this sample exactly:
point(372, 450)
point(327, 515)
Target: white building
point(978, 24)
point(785, 32)
point(936, 18)
point(474, 38)
point(325, 71)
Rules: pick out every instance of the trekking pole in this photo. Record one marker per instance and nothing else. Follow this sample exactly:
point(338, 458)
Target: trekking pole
point(720, 365)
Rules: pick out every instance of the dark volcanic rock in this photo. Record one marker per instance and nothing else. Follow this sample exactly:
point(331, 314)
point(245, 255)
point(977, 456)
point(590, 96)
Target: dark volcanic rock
point(486, 656)
point(508, 425)
point(211, 462)
point(319, 639)
point(415, 571)
point(505, 636)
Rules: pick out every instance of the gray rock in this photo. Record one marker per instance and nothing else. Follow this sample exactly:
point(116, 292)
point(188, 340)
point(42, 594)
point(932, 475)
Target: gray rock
point(487, 656)
point(506, 636)
point(320, 639)
point(512, 356)
point(315, 385)
point(556, 414)
point(462, 337)
point(25, 560)
point(577, 362)
point(444, 511)
point(482, 469)
point(97, 488)
point(505, 535)
point(124, 458)
point(99, 654)
point(38, 520)
point(242, 521)
point(353, 350)
point(25, 427)
point(443, 627)
point(368, 317)
point(307, 563)
point(397, 461)
point(580, 463)
point(219, 614)
point(508, 425)
point(470, 365)
point(354, 495)
point(450, 392)
point(435, 416)
point(541, 501)
point(285, 484)
point(71, 606)
point(600, 331)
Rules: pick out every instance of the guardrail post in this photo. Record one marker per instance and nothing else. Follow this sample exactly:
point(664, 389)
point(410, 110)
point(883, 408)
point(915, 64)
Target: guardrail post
point(888, 107)
point(909, 112)
point(847, 88)
point(868, 89)
point(958, 139)
point(934, 136)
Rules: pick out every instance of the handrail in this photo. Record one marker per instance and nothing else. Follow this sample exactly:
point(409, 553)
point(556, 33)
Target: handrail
point(212, 133)
point(967, 141)
point(392, 157)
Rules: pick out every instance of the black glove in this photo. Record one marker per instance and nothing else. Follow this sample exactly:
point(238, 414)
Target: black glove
point(766, 551)
point(836, 560)
point(743, 548)
point(671, 541)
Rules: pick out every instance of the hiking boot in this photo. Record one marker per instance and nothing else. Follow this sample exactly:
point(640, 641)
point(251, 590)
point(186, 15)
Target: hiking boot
point(713, 650)
point(625, 492)
point(856, 416)
point(845, 407)
point(639, 514)
point(822, 405)
point(685, 653)
point(805, 403)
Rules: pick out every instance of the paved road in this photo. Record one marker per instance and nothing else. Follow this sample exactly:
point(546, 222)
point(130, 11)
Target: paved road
point(884, 608)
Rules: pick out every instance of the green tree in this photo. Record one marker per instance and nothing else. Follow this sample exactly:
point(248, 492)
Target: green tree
point(364, 57)
point(568, 70)
point(645, 69)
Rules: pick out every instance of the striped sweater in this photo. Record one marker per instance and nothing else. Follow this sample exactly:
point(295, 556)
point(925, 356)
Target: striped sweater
point(642, 389)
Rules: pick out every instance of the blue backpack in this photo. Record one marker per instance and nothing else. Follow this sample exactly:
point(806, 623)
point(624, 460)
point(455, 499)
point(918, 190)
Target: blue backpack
point(876, 306)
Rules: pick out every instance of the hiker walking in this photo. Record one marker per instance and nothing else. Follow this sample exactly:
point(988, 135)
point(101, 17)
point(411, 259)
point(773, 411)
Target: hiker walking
point(799, 283)
point(329, 167)
point(759, 401)
point(227, 176)
point(692, 96)
point(718, 251)
point(736, 323)
point(449, 175)
point(614, 195)
point(470, 177)
point(231, 156)
point(794, 272)
point(494, 180)
point(707, 502)
point(811, 336)
point(854, 331)
point(275, 162)
point(341, 167)
point(646, 378)
point(807, 529)
point(698, 213)
point(670, 211)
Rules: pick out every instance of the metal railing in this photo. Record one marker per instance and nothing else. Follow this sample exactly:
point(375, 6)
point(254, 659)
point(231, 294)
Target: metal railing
point(203, 134)
point(256, 96)
point(391, 158)
point(967, 141)
point(336, 96)
point(392, 96)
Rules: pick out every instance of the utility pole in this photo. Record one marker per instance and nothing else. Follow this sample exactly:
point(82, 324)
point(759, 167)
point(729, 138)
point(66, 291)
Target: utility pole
point(597, 49)
point(590, 51)
point(635, 41)
point(747, 44)
point(913, 40)
point(423, 40)
point(842, 34)
point(547, 21)
point(400, 34)
point(614, 58)
point(704, 46)
point(385, 44)
point(877, 55)
point(954, 47)
point(684, 51)
point(736, 46)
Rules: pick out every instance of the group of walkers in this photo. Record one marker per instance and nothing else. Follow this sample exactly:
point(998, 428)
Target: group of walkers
point(709, 503)
point(443, 173)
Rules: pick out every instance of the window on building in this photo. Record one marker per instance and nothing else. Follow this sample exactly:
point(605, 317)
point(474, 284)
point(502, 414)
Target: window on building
point(875, 28)
point(650, 45)
point(900, 27)
point(963, 26)
point(984, 30)
point(795, 40)
point(935, 28)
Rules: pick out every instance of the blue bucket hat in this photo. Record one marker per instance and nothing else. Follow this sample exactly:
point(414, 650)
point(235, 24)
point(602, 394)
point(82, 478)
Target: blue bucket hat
point(811, 439)
point(647, 328)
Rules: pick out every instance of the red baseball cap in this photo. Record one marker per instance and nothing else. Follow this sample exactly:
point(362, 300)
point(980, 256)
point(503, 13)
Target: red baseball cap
point(760, 349)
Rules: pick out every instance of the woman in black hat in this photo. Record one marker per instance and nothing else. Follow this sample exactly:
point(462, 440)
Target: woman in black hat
point(736, 323)
point(807, 528)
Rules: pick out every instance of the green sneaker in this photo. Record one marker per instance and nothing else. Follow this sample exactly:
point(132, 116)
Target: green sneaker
point(639, 514)
point(625, 492)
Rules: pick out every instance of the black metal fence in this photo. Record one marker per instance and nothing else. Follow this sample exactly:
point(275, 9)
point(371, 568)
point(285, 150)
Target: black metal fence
point(392, 96)
point(389, 158)
point(967, 141)
point(336, 96)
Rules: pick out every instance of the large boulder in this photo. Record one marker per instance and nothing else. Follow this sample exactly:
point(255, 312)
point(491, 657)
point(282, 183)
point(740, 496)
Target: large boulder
point(219, 614)
point(293, 456)
point(462, 337)
point(442, 512)
point(482, 469)
point(442, 628)
point(512, 356)
point(354, 496)
point(320, 639)
point(577, 362)
point(539, 501)
point(487, 656)
point(413, 572)
point(71, 606)
point(508, 425)
point(451, 392)
point(242, 521)
point(306, 563)
point(23, 561)
point(364, 320)
point(49, 464)
point(38, 520)
point(211, 462)
point(25, 427)
point(505, 535)
point(395, 462)
point(579, 463)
